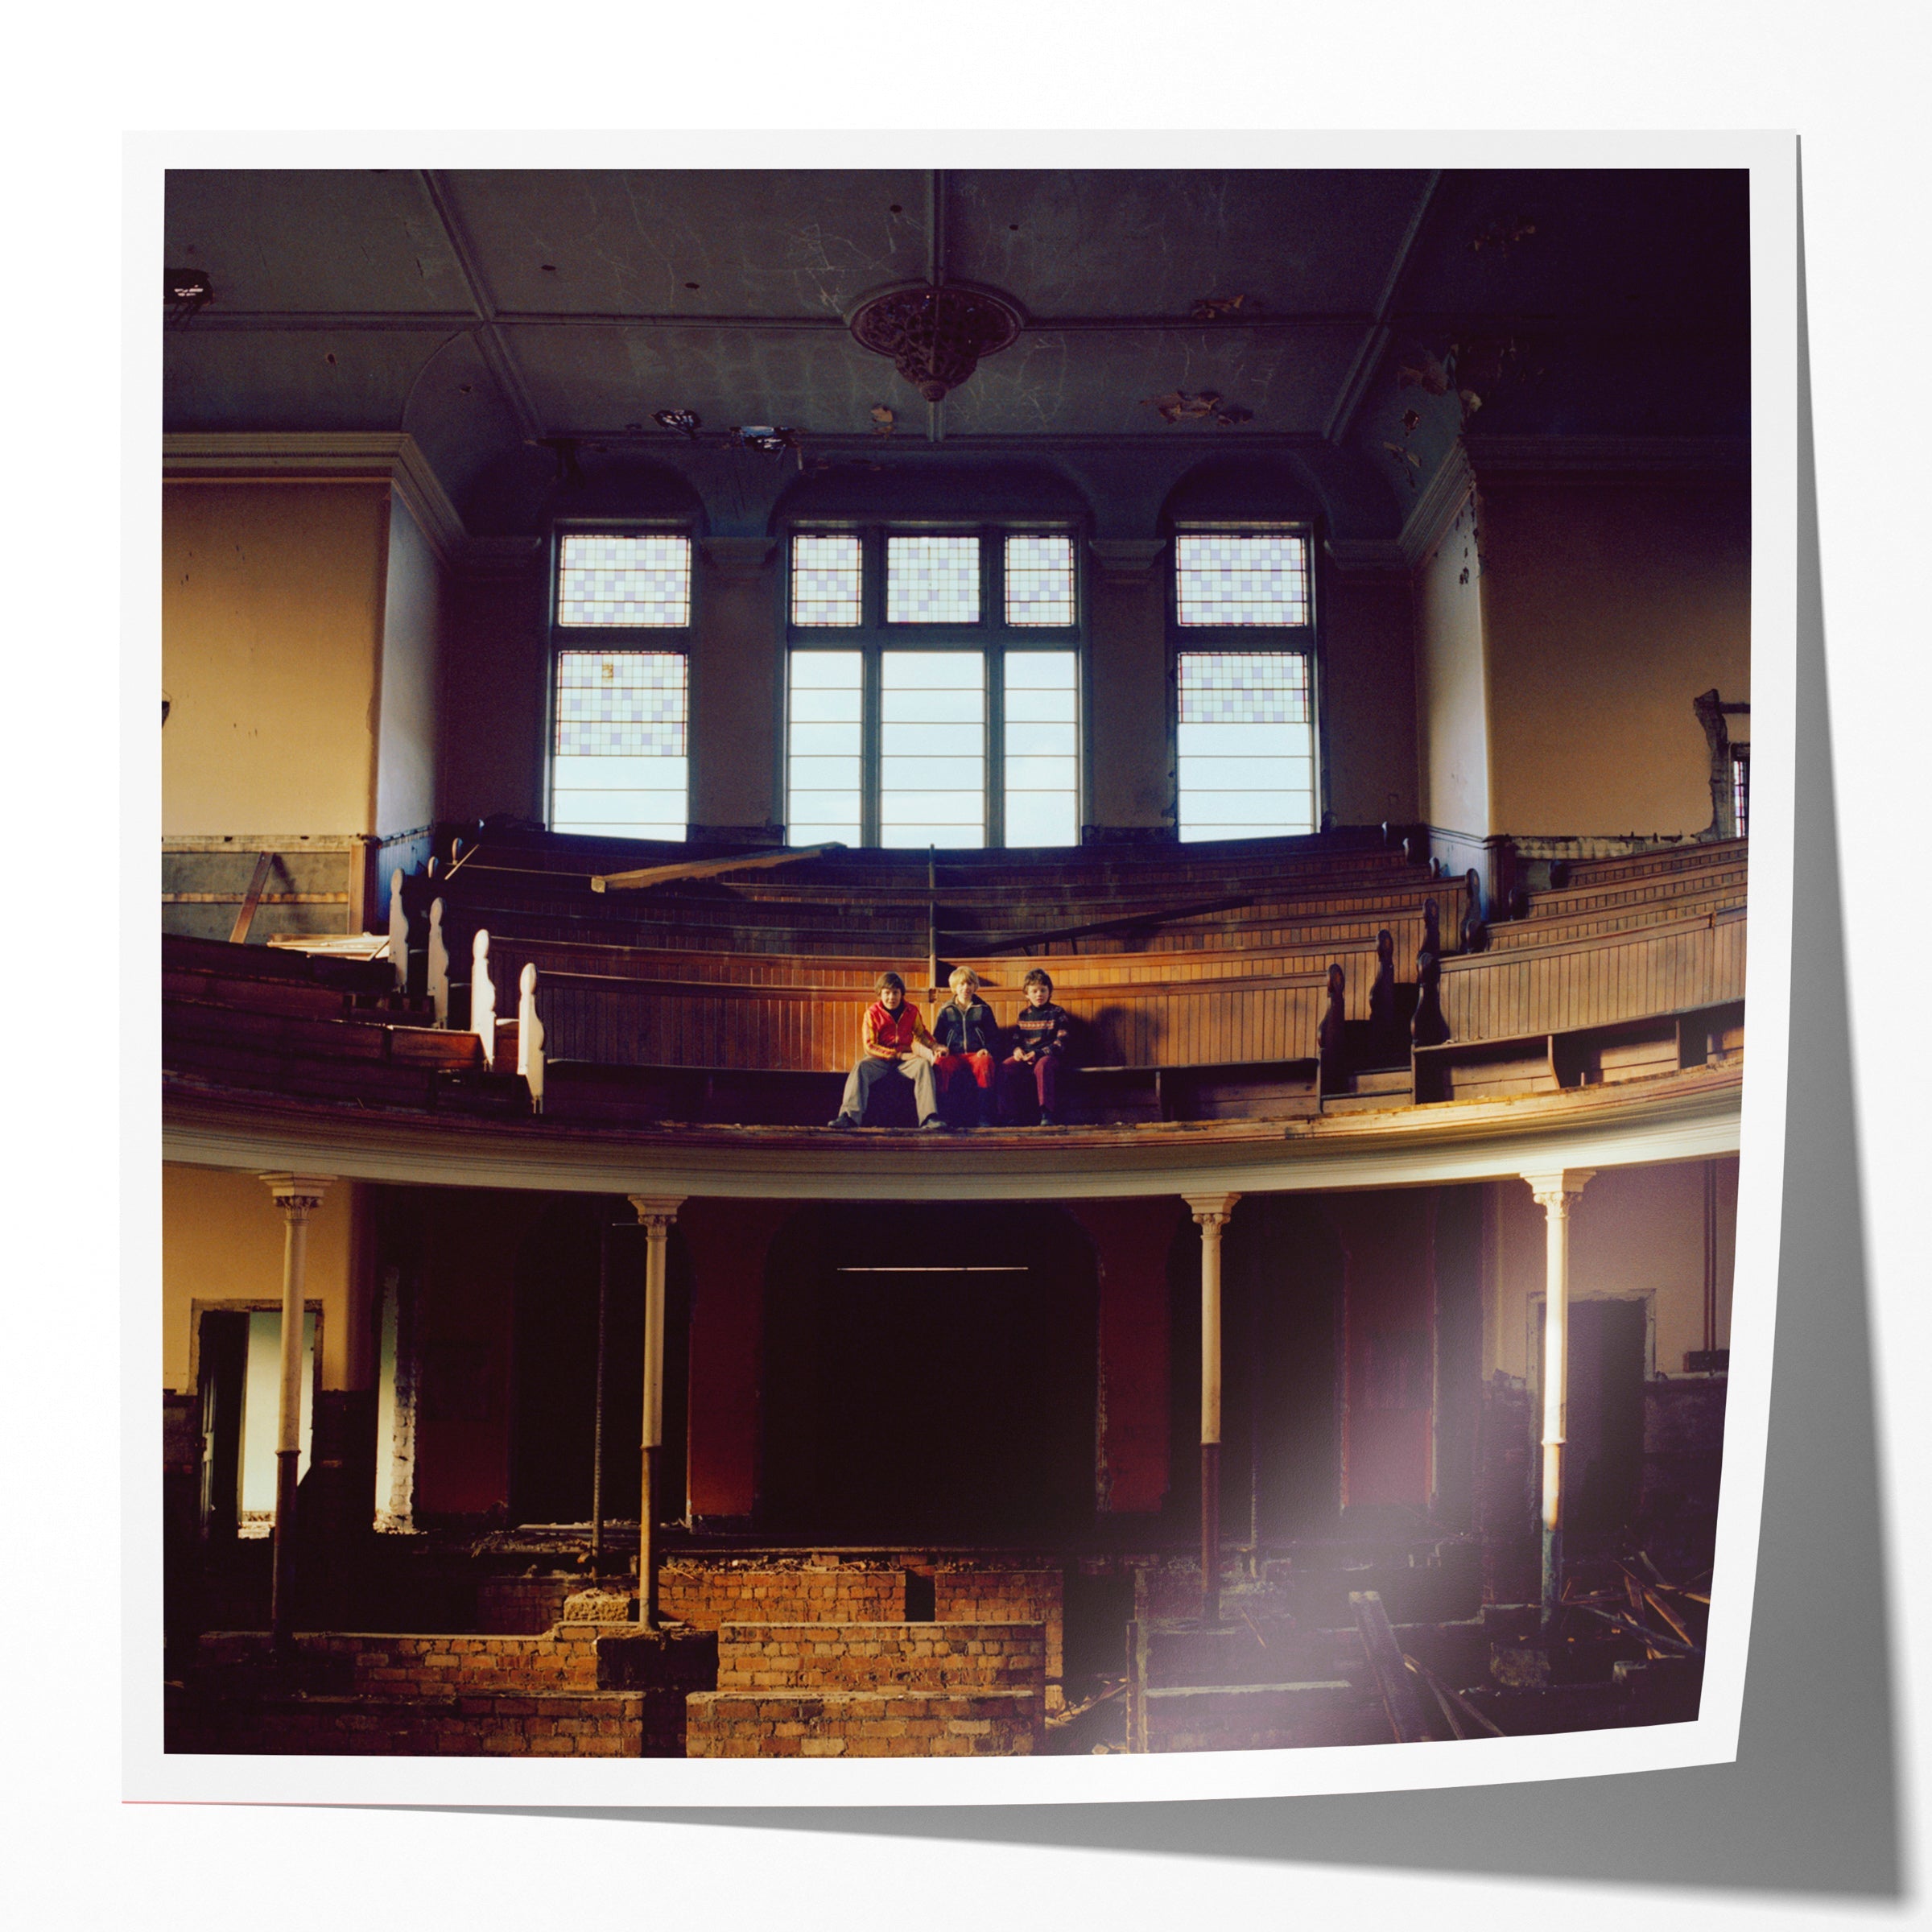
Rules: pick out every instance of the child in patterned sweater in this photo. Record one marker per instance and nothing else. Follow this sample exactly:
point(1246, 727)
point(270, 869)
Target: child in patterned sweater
point(1039, 1043)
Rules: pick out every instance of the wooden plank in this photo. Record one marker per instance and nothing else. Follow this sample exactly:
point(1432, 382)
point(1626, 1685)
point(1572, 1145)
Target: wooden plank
point(245, 917)
point(1391, 1678)
point(701, 868)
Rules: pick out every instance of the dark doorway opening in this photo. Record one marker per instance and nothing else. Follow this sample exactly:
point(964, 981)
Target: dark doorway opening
point(1603, 1460)
point(1281, 1272)
point(224, 1369)
point(929, 1374)
point(554, 1367)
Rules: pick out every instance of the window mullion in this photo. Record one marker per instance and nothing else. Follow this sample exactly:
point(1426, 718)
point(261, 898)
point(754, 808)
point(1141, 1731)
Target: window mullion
point(996, 747)
point(869, 747)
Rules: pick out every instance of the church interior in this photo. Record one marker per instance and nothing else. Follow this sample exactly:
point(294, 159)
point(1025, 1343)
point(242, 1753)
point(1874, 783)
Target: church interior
point(610, 619)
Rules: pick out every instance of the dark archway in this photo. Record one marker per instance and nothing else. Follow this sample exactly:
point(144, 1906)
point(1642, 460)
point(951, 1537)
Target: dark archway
point(553, 1365)
point(929, 1374)
point(1281, 1367)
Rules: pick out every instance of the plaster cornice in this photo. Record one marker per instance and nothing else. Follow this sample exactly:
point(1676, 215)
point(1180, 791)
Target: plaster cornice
point(1368, 556)
point(1687, 1117)
point(1659, 459)
point(322, 456)
point(1433, 512)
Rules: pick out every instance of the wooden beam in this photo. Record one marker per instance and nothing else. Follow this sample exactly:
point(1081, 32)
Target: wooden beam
point(1385, 1665)
point(1125, 922)
point(703, 868)
point(237, 933)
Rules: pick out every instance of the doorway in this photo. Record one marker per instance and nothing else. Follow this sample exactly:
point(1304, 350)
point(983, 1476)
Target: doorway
point(1603, 1460)
point(930, 1374)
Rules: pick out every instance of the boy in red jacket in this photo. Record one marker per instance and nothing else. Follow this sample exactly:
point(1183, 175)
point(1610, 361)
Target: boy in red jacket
point(893, 1039)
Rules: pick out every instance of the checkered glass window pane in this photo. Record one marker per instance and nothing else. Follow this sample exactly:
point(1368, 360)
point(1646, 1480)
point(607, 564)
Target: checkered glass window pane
point(623, 580)
point(1039, 579)
point(825, 579)
point(1246, 745)
point(618, 762)
point(932, 579)
point(1230, 579)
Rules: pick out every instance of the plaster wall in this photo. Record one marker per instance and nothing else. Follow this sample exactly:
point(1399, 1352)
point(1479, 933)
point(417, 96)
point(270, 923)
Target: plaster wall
point(1637, 1233)
point(272, 612)
point(413, 618)
point(1130, 775)
point(222, 1240)
point(1452, 683)
point(1388, 1343)
point(493, 696)
point(1607, 608)
point(737, 751)
point(1369, 700)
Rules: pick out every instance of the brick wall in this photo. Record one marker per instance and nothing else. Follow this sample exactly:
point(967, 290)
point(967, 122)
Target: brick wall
point(1006, 1597)
point(568, 1657)
point(368, 1665)
point(864, 1724)
point(642, 1723)
point(924, 1657)
point(527, 1606)
point(705, 1595)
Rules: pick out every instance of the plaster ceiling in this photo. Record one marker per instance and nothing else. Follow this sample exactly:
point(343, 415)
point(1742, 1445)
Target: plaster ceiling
point(485, 312)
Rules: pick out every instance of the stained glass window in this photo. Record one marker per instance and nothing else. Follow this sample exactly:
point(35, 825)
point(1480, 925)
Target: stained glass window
point(1042, 764)
point(932, 579)
point(1246, 745)
point(618, 763)
point(825, 579)
point(824, 720)
point(1039, 579)
point(1222, 579)
point(623, 580)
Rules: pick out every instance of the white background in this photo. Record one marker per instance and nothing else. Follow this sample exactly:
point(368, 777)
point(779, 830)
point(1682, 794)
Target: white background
point(1850, 82)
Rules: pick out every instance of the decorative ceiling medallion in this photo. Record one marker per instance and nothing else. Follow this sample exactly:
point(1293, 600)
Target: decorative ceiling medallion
point(936, 336)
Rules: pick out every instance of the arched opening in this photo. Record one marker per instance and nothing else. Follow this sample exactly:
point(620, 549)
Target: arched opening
point(930, 1374)
point(1281, 1271)
point(554, 1365)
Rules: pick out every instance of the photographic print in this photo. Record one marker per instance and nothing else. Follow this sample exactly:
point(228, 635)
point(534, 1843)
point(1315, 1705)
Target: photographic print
point(954, 965)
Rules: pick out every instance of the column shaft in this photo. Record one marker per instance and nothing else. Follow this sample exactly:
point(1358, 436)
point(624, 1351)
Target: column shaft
point(298, 1196)
point(1556, 1193)
point(657, 1214)
point(1211, 1212)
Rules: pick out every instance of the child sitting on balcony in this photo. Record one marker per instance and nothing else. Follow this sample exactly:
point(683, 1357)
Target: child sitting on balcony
point(968, 1040)
point(893, 1039)
point(1039, 1041)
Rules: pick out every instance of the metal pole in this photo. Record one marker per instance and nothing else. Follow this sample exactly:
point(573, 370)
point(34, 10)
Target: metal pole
point(298, 1196)
point(1211, 1212)
point(596, 1402)
point(1555, 1193)
point(657, 1213)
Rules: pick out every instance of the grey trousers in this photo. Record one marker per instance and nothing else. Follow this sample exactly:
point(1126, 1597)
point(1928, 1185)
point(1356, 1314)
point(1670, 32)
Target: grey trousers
point(870, 1071)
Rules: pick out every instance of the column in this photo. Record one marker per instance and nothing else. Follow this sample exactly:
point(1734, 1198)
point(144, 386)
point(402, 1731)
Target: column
point(297, 1195)
point(727, 1241)
point(1129, 749)
point(1211, 1212)
point(1556, 1191)
point(656, 1212)
point(1133, 1452)
point(736, 753)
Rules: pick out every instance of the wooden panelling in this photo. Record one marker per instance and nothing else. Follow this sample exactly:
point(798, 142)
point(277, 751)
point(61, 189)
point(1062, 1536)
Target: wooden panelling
point(1592, 982)
point(677, 1023)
